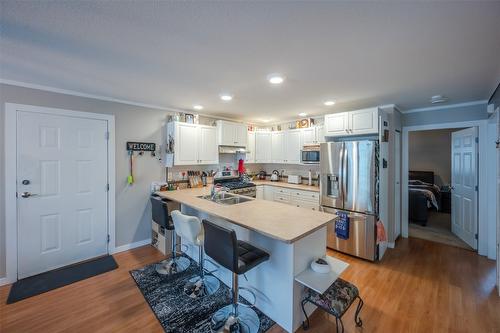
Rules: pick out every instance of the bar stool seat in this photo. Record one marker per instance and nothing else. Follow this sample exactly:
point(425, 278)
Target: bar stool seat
point(239, 257)
point(249, 256)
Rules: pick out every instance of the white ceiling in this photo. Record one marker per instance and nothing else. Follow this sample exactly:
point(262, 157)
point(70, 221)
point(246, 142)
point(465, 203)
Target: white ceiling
point(176, 54)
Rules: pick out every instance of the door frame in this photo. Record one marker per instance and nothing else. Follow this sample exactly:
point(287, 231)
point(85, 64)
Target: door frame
point(10, 147)
point(482, 227)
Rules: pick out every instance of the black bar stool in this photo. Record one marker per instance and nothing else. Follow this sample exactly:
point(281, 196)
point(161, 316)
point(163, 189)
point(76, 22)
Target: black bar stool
point(239, 257)
point(160, 215)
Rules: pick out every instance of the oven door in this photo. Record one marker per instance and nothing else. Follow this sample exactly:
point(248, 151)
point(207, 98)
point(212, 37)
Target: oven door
point(309, 156)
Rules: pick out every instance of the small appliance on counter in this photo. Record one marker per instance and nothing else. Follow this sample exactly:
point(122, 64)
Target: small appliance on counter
point(262, 175)
point(294, 179)
point(275, 176)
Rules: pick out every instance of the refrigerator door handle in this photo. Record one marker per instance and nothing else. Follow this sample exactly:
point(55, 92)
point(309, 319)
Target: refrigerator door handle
point(344, 176)
point(341, 175)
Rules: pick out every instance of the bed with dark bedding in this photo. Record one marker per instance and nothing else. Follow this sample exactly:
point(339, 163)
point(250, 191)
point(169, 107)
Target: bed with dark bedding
point(423, 195)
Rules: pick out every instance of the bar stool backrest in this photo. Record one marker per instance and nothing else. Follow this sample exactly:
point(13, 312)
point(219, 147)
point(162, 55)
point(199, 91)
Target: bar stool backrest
point(188, 227)
point(159, 212)
point(221, 245)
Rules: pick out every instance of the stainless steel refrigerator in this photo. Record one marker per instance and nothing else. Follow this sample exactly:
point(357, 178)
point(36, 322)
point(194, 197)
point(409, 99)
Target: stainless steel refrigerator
point(349, 183)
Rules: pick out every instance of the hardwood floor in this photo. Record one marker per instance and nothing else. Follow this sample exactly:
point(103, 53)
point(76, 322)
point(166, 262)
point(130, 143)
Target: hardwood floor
point(420, 286)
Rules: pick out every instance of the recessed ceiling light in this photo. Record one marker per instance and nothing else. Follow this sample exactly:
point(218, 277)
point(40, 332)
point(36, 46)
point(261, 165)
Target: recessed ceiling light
point(436, 99)
point(329, 103)
point(226, 97)
point(198, 107)
point(302, 114)
point(275, 78)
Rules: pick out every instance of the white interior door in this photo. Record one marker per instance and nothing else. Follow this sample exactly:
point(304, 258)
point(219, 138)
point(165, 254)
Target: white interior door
point(62, 191)
point(464, 185)
point(397, 184)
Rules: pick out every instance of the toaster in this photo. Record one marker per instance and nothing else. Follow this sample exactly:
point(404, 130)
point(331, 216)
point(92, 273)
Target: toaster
point(294, 179)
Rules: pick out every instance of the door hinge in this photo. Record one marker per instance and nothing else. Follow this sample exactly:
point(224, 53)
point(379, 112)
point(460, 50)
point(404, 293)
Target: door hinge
point(477, 139)
point(107, 135)
point(109, 238)
point(476, 188)
point(475, 236)
point(107, 187)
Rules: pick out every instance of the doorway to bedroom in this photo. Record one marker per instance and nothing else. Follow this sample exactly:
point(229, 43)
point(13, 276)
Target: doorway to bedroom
point(442, 179)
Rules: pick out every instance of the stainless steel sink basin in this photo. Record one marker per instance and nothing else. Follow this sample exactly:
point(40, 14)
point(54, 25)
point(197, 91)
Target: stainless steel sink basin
point(225, 198)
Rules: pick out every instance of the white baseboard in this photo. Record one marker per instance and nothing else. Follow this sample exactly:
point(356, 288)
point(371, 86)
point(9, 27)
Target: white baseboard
point(4, 281)
point(130, 246)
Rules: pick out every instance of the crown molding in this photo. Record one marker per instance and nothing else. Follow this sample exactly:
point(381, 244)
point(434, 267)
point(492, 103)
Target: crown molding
point(444, 107)
point(104, 98)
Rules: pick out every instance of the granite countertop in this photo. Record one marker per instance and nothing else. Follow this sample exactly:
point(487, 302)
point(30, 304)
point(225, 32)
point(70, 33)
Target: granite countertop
point(287, 185)
point(276, 220)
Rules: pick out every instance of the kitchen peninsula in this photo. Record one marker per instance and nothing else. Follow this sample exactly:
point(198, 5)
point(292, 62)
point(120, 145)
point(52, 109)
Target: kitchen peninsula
point(292, 236)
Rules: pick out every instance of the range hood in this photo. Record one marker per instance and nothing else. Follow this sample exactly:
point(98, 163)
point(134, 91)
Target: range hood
point(232, 150)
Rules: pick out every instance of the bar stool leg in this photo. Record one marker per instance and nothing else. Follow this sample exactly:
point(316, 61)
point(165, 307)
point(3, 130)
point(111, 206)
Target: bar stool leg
point(201, 285)
point(175, 264)
point(235, 318)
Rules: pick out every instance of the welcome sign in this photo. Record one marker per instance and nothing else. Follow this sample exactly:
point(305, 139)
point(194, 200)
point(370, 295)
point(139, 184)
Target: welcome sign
point(141, 146)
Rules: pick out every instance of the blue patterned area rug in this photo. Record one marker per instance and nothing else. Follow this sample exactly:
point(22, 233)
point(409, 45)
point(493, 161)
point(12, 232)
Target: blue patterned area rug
point(179, 313)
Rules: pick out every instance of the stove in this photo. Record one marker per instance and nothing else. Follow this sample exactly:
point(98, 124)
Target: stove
point(237, 186)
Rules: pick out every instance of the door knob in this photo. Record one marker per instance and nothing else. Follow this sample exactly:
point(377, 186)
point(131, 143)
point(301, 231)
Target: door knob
point(25, 182)
point(27, 195)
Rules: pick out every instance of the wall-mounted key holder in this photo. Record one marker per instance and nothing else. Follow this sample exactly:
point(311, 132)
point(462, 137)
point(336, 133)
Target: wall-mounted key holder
point(140, 148)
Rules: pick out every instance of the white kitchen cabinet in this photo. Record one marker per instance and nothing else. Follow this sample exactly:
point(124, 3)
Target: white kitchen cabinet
point(250, 155)
point(313, 135)
point(363, 121)
point(193, 144)
point(260, 192)
point(308, 136)
point(359, 122)
point(263, 149)
point(278, 150)
point(208, 152)
point(293, 146)
point(304, 204)
point(268, 192)
point(298, 198)
point(231, 134)
point(320, 134)
point(337, 124)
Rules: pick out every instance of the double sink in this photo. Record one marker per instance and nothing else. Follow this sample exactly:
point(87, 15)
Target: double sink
point(225, 198)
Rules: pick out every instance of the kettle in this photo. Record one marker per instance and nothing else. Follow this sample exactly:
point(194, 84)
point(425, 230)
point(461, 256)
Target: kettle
point(275, 176)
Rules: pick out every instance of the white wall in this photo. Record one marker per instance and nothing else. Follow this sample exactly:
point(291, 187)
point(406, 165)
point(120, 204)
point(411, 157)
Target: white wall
point(132, 124)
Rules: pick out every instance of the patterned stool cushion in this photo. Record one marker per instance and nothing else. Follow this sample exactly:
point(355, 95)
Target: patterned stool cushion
point(336, 299)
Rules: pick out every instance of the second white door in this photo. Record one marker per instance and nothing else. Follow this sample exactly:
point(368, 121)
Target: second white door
point(464, 185)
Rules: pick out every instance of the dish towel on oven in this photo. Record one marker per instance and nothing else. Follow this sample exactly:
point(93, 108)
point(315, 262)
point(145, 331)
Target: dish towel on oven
point(342, 225)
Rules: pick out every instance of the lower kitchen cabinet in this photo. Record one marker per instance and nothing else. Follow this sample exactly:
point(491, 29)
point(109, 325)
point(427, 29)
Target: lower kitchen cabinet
point(298, 198)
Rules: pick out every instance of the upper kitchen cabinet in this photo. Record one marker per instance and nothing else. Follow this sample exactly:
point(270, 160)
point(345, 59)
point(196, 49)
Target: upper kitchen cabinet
point(363, 121)
point(313, 135)
point(263, 149)
point(337, 124)
point(208, 152)
point(250, 155)
point(308, 136)
point(193, 143)
point(278, 147)
point(293, 146)
point(231, 134)
point(358, 122)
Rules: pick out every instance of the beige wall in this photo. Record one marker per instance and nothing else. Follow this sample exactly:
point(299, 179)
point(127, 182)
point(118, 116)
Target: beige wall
point(431, 151)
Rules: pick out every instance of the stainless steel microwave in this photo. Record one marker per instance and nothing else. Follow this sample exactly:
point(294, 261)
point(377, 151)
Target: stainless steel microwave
point(309, 155)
